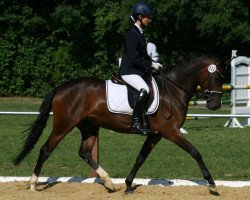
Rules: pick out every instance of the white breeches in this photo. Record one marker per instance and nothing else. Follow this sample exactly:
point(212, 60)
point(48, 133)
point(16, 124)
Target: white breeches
point(136, 82)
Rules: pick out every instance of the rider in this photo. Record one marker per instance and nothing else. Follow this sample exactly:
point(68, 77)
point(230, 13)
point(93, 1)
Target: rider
point(136, 65)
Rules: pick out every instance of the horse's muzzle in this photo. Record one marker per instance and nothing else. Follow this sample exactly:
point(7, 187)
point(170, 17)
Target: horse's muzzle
point(213, 104)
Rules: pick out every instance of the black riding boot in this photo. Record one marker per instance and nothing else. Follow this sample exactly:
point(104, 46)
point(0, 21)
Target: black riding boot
point(138, 125)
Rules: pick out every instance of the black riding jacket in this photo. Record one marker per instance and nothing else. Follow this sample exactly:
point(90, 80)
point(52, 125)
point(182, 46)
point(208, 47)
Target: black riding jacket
point(135, 59)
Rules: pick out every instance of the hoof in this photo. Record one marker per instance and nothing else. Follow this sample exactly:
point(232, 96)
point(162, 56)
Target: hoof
point(110, 186)
point(32, 189)
point(129, 191)
point(213, 190)
point(111, 191)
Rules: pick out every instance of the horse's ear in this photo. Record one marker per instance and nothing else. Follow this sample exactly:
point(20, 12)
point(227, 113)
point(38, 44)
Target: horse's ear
point(226, 63)
point(180, 59)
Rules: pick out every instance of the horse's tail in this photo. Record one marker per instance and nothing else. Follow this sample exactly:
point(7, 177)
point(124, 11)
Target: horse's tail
point(36, 128)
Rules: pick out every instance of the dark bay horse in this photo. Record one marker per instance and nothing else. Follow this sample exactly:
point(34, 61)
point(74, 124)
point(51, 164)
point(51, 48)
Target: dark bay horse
point(82, 103)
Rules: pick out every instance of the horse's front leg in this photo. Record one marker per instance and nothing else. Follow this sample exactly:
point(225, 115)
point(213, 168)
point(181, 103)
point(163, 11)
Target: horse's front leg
point(183, 143)
point(147, 147)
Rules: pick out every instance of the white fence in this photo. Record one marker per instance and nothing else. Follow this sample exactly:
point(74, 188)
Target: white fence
point(240, 98)
point(188, 115)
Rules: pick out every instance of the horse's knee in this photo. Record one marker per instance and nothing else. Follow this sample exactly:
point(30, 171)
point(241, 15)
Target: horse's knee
point(44, 154)
point(140, 159)
point(196, 155)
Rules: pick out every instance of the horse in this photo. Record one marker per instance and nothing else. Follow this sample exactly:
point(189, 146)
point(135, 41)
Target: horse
point(82, 103)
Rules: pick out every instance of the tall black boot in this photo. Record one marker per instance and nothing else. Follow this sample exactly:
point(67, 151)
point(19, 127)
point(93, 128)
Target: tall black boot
point(138, 121)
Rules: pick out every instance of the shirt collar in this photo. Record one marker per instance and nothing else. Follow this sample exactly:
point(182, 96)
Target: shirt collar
point(140, 29)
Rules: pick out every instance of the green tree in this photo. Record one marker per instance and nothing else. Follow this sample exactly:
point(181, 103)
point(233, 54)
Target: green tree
point(44, 43)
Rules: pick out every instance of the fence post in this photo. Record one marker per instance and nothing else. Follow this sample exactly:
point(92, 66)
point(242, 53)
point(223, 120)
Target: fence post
point(240, 76)
point(248, 92)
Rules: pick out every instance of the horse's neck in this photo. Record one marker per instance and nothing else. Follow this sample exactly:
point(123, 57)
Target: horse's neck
point(186, 78)
point(181, 87)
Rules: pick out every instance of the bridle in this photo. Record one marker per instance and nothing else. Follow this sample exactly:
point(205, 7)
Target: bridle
point(212, 69)
point(207, 92)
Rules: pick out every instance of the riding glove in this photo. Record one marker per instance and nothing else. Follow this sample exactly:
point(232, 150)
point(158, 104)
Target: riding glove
point(156, 66)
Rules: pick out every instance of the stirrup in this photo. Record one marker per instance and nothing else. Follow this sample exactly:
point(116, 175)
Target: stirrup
point(146, 124)
point(137, 127)
point(140, 131)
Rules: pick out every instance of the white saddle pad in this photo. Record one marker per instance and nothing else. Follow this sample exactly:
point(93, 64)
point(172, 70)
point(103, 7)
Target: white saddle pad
point(117, 98)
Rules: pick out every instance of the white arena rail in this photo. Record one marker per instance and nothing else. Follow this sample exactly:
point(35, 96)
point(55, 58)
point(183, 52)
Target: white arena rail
point(188, 115)
point(19, 113)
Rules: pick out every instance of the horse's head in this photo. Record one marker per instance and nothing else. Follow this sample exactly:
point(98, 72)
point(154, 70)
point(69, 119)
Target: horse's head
point(210, 79)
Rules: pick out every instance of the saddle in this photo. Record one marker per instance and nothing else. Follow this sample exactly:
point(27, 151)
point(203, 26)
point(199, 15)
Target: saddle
point(132, 93)
point(117, 93)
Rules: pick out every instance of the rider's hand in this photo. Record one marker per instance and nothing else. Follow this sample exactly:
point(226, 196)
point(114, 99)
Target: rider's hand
point(156, 66)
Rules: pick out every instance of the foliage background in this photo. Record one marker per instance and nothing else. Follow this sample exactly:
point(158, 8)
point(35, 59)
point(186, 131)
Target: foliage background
point(44, 43)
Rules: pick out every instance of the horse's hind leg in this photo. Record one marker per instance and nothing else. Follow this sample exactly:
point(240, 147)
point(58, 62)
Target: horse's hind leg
point(183, 143)
point(56, 136)
point(89, 135)
point(147, 147)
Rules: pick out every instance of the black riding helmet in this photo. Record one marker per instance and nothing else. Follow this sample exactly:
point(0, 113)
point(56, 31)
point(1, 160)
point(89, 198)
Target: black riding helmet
point(143, 9)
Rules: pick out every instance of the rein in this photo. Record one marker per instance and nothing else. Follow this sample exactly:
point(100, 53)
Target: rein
point(166, 90)
point(182, 88)
point(207, 92)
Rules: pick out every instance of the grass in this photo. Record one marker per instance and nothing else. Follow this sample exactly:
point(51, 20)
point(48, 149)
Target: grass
point(224, 150)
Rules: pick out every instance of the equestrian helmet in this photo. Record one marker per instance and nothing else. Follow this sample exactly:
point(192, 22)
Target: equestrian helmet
point(143, 9)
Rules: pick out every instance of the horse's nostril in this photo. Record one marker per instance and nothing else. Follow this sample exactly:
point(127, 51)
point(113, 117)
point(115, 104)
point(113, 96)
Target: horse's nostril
point(212, 105)
point(215, 107)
